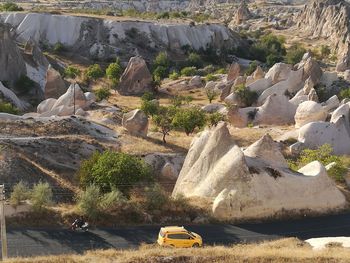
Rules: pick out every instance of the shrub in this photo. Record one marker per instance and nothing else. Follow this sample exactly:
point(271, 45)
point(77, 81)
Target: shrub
point(41, 196)
point(88, 201)
point(162, 59)
point(188, 71)
point(214, 118)
point(295, 54)
point(194, 60)
point(147, 96)
point(247, 96)
point(24, 84)
point(325, 51)
point(114, 70)
point(94, 72)
point(19, 194)
point(221, 71)
point(71, 72)
point(252, 67)
point(109, 200)
point(179, 100)
point(114, 170)
point(102, 93)
point(211, 94)
point(150, 108)
point(174, 75)
point(272, 59)
point(160, 72)
point(344, 94)
point(59, 47)
point(10, 7)
point(188, 119)
point(8, 108)
point(156, 198)
point(324, 155)
point(163, 15)
point(211, 77)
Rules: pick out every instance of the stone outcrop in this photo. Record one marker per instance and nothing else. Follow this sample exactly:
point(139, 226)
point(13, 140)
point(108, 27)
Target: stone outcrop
point(233, 72)
point(54, 86)
point(242, 14)
point(136, 122)
point(136, 79)
point(12, 65)
point(279, 72)
point(255, 183)
point(328, 19)
point(309, 111)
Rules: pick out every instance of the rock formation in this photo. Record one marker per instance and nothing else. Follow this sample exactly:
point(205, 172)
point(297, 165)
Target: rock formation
point(54, 86)
point(255, 183)
point(233, 72)
point(309, 111)
point(136, 78)
point(12, 65)
point(136, 122)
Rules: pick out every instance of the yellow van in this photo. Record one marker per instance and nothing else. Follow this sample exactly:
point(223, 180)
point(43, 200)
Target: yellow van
point(175, 236)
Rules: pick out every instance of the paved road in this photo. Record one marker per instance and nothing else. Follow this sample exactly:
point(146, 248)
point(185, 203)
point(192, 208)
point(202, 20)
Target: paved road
point(30, 242)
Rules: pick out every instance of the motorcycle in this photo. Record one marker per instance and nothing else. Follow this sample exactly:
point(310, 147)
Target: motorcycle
point(84, 227)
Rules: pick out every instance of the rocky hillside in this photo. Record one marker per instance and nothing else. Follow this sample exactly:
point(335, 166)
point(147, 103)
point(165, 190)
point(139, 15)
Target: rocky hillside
point(103, 39)
point(327, 19)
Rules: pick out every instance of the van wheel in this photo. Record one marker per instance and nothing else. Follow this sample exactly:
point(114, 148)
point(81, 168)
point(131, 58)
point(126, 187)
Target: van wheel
point(195, 245)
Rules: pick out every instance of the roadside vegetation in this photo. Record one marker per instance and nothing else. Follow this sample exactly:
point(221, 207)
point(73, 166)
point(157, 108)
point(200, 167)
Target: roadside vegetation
point(289, 250)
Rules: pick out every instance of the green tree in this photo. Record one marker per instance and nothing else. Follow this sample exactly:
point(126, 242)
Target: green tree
point(295, 54)
point(211, 94)
point(114, 70)
point(113, 169)
point(59, 47)
point(344, 94)
point(214, 118)
point(102, 93)
point(71, 72)
point(194, 60)
point(94, 72)
point(188, 71)
point(247, 96)
point(162, 60)
point(164, 118)
point(19, 194)
point(160, 73)
point(41, 196)
point(174, 75)
point(188, 119)
point(8, 108)
point(88, 201)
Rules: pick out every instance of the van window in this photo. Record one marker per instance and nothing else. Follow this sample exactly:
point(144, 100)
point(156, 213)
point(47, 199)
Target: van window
point(179, 236)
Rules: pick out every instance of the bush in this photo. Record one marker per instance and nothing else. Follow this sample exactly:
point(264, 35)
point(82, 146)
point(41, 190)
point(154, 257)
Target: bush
point(179, 100)
point(194, 60)
point(188, 119)
point(71, 72)
point(102, 93)
point(163, 15)
point(211, 94)
point(24, 84)
point(41, 196)
point(150, 108)
point(188, 71)
point(252, 67)
point(19, 194)
point(109, 200)
point(114, 70)
point(211, 77)
point(162, 59)
point(88, 201)
point(295, 54)
point(174, 75)
point(247, 96)
point(324, 155)
point(156, 198)
point(94, 72)
point(160, 73)
point(8, 108)
point(344, 94)
point(325, 51)
point(59, 47)
point(221, 71)
point(214, 118)
point(10, 7)
point(114, 170)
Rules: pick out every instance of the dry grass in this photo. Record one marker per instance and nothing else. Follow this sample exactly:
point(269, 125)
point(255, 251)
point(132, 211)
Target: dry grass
point(284, 250)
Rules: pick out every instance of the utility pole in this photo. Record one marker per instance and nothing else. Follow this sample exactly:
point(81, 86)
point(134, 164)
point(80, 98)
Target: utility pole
point(3, 223)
